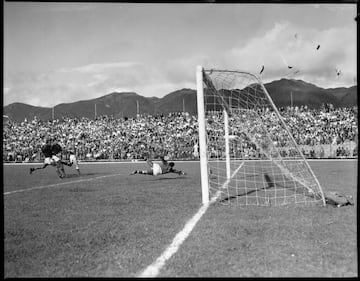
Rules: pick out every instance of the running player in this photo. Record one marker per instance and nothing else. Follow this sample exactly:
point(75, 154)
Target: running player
point(56, 151)
point(52, 152)
point(46, 150)
point(159, 169)
point(71, 149)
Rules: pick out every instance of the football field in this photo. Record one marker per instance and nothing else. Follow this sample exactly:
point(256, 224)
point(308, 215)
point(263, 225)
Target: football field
point(108, 223)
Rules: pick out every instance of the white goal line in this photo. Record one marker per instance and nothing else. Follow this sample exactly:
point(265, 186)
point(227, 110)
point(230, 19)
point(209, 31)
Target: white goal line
point(153, 270)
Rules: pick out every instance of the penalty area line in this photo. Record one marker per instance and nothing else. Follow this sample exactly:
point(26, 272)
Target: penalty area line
point(59, 184)
point(154, 269)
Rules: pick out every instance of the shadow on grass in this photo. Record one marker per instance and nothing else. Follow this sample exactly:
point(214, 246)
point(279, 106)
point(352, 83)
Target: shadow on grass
point(80, 175)
point(270, 184)
point(172, 178)
point(268, 180)
point(72, 176)
point(159, 178)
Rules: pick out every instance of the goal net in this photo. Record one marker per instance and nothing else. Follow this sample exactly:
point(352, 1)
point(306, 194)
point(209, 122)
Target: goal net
point(247, 153)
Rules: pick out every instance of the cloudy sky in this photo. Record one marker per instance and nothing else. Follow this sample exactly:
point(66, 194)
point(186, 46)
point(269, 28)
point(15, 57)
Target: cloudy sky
point(64, 52)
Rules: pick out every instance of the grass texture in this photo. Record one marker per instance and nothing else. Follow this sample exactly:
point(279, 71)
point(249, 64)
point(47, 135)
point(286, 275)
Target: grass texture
point(106, 223)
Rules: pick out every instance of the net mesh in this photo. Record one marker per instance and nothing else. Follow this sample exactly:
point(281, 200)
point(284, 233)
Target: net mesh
point(266, 165)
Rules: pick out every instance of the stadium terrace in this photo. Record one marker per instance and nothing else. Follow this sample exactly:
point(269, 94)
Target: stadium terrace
point(321, 133)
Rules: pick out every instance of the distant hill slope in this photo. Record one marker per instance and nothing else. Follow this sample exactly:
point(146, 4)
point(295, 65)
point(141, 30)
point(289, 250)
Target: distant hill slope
point(125, 104)
point(350, 97)
point(303, 93)
point(19, 111)
point(177, 101)
point(115, 104)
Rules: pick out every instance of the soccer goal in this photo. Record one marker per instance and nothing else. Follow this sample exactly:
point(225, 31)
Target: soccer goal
point(248, 155)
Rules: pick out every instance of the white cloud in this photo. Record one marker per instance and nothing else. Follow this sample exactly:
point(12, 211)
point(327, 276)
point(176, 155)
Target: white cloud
point(337, 49)
point(69, 84)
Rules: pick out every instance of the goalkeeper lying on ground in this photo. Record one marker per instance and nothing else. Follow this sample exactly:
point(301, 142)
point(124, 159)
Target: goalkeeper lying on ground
point(159, 169)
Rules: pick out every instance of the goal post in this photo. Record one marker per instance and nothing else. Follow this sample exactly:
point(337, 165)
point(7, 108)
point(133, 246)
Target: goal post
point(227, 144)
point(247, 153)
point(202, 136)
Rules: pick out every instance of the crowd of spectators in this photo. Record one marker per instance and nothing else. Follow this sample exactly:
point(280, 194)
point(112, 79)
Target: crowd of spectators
point(176, 134)
point(311, 129)
point(106, 137)
point(321, 126)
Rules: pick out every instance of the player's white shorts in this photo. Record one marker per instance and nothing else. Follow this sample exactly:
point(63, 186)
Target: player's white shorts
point(72, 158)
point(48, 161)
point(157, 169)
point(55, 158)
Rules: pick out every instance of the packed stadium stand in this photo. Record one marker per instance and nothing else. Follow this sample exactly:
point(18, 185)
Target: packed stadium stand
point(321, 133)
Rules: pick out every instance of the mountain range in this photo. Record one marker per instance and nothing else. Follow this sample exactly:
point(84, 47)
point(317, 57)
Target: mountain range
point(128, 104)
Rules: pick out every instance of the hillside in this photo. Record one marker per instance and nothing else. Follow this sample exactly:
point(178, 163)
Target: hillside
point(115, 104)
point(126, 104)
point(177, 100)
point(303, 93)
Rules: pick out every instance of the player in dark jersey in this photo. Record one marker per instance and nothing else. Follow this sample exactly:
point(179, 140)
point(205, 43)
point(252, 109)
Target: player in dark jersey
point(46, 150)
point(159, 169)
point(52, 152)
point(56, 151)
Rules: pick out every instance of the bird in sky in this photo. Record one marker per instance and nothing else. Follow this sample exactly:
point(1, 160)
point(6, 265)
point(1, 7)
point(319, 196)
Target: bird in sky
point(262, 69)
point(338, 72)
point(285, 62)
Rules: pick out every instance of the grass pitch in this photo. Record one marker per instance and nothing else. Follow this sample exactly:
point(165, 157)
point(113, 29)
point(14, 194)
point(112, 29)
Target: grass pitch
point(106, 223)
